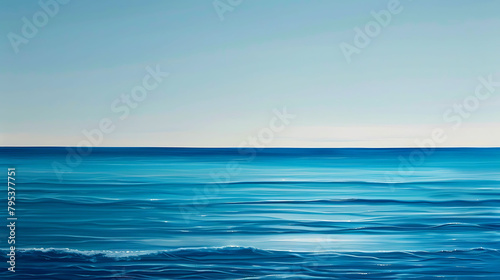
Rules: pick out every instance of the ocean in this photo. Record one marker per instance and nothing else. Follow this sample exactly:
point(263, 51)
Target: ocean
point(271, 213)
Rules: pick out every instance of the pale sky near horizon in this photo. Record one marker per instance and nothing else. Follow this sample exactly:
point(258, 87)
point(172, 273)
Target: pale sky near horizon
point(227, 77)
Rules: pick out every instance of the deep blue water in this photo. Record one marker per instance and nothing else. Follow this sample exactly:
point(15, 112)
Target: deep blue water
point(173, 213)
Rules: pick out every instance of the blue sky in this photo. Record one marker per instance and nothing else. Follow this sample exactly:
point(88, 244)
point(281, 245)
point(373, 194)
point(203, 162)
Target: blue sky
point(227, 76)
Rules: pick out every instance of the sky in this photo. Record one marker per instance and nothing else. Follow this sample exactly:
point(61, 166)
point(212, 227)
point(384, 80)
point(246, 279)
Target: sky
point(250, 73)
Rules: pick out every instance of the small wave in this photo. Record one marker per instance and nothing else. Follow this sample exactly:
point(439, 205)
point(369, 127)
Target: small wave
point(495, 202)
point(134, 182)
point(135, 254)
point(233, 262)
point(349, 201)
point(227, 250)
